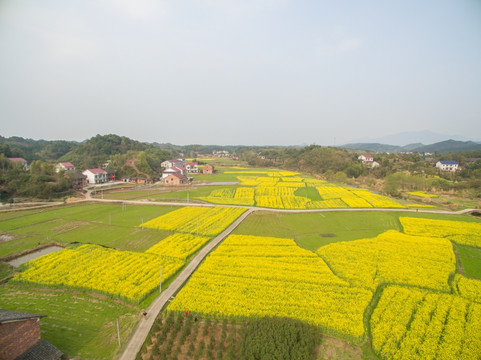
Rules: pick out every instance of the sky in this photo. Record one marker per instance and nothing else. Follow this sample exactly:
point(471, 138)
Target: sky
point(239, 72)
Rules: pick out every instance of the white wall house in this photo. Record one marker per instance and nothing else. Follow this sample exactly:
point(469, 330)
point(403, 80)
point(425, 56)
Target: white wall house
point(365, 158)
point(173, 170)
point(172, 163)
point(65, 166)
point(447, 165)
point(192, 168)
point(95, 176)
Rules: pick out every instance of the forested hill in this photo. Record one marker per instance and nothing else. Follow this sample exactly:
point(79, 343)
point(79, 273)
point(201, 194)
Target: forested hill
point(29, 149)
point(121, 151)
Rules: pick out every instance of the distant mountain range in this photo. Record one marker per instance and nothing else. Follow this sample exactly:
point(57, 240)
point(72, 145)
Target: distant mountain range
point(442, 147)
point(412, 137)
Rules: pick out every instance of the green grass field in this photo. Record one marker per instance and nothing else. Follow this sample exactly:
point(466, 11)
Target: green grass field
point(313, 230)
point(111, 225)
point(470, 258)
point(79, 324)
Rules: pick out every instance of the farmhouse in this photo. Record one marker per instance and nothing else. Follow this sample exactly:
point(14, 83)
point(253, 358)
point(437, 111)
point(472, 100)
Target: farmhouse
point(176, 179)
point(65, 166)
point(20, 161)
point(208, 169)
point(173, 170)
point(20, 338)
point(95, 176)
point(447, 165)
point(192, 168)
point(78, 179)
point(366, 158)
point(172, 163)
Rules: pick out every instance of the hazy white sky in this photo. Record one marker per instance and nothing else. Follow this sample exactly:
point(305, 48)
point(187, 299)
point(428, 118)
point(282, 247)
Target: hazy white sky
point(260, 72)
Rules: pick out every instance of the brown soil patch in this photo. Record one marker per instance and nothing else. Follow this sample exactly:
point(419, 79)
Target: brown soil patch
point(337, 349)
point(69, 226)
point(5, 238)
point(206, 339)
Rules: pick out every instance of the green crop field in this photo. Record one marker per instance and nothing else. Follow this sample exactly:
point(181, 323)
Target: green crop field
point(80, 324)
point(111, 225)
point(313, 230)
point(470, 258)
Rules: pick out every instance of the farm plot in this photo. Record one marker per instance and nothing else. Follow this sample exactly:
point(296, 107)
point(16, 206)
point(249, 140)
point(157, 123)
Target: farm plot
point(467, 233)
point(393, 257)
point(263, 276)
point(284, 192)
point(410, 323)
point(103, 224)
point(198, 220)
point(124, 274)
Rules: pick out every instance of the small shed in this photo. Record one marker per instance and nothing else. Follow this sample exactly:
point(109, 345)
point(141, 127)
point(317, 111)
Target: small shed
point(20, 338)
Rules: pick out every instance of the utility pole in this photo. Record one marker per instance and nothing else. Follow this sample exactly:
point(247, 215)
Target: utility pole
point(118, 331)
point(160, 283)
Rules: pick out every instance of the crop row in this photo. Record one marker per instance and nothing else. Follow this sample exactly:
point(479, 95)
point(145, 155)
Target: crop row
point(411, 323)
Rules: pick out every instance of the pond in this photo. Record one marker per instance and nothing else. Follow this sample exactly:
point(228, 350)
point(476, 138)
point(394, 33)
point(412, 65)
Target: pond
point(23, 259)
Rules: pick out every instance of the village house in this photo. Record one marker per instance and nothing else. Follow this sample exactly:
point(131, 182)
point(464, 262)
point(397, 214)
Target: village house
point(95, 176)
point(447, 165)
point(20, 338)
point(366, 158)
point(79, 180)
point(173, 170)
point(20, 161)
point(172, 163)
point(110, 174)
point(192, 168)
point(65, 166)
point(176, 179)
point(208, 169)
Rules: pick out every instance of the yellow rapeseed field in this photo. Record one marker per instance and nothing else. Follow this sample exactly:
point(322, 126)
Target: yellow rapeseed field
point(462, 232)
point(392, 257)
point(196, 220)
point(122, 274)
point(250, 276)
point(411, 324)
point(179, 245)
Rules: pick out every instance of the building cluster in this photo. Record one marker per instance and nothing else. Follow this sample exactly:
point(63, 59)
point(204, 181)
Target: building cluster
point(368, 160)
point(442, 165)
point(177, 171)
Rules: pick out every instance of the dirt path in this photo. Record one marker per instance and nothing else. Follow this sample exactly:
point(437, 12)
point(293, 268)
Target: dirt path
point(144, 326)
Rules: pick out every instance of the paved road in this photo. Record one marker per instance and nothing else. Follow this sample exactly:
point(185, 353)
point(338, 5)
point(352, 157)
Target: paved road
point(144, 326)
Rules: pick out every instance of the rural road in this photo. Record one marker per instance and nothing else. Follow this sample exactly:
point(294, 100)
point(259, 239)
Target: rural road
point(144, 326)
